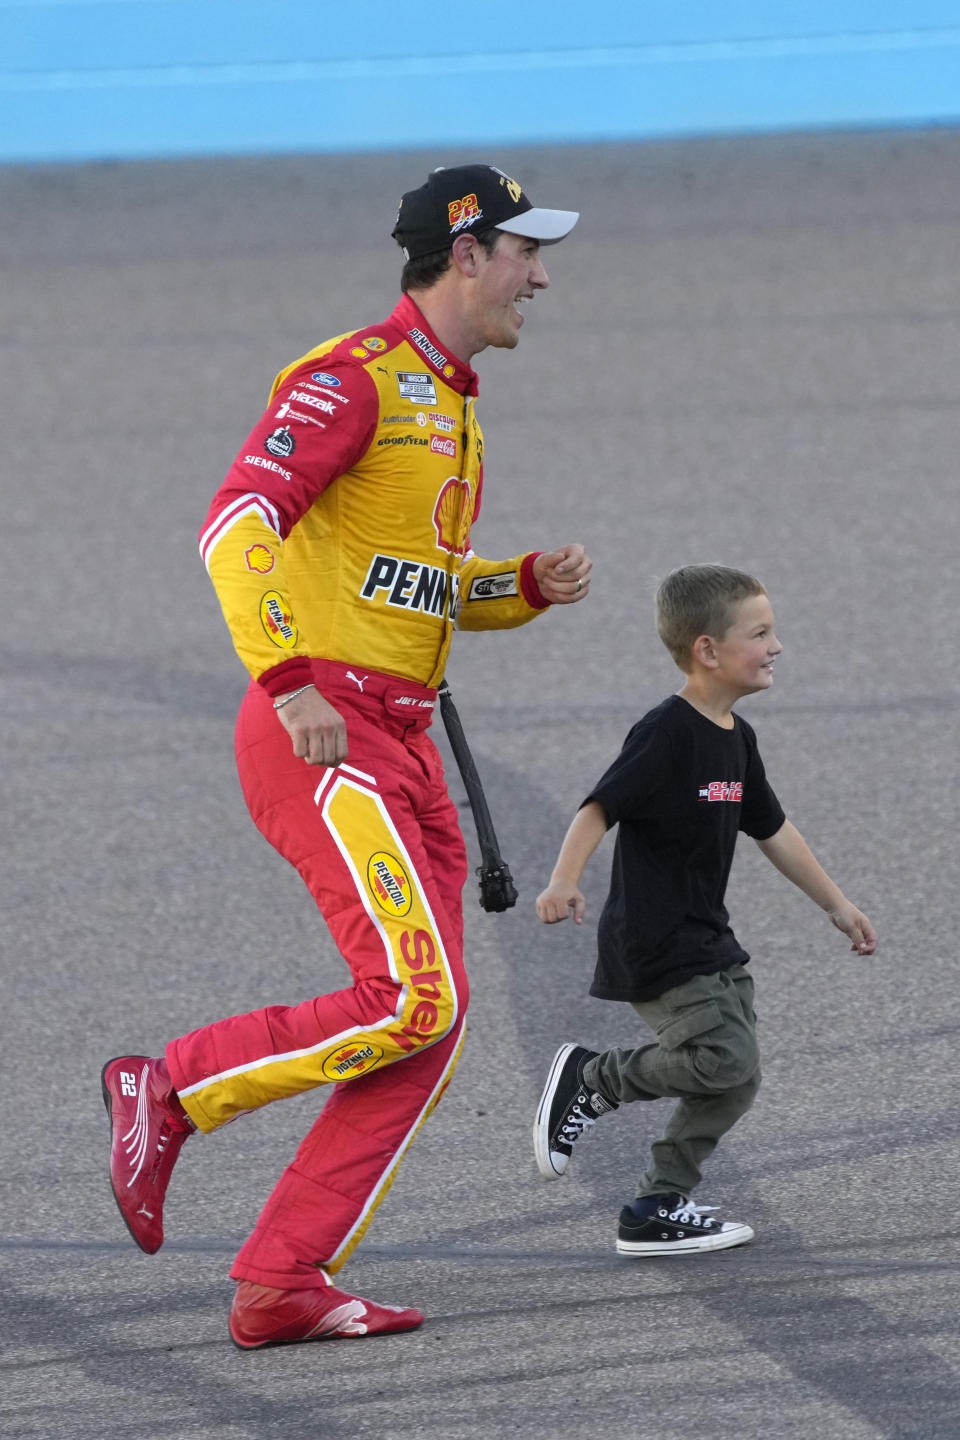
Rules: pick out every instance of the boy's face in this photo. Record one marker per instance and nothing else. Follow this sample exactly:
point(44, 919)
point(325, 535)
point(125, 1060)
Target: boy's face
point(745, 655)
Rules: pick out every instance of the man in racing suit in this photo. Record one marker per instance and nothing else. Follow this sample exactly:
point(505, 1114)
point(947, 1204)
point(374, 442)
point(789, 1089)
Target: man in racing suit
point(339, 546)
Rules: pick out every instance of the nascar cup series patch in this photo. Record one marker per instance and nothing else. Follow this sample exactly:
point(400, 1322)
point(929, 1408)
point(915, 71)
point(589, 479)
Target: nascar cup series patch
point(418, 386)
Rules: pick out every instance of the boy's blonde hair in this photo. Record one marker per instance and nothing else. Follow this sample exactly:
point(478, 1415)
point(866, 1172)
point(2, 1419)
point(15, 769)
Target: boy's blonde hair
point(698, 600)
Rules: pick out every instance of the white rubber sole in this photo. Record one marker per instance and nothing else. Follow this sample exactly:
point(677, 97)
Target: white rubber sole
point(541, 1125)
point(732, 1233)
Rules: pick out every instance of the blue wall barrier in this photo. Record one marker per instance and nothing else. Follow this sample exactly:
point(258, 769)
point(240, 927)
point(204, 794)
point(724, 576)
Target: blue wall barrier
point(121, 79)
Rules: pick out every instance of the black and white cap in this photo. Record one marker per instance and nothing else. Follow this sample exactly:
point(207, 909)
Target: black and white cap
point(466, 199)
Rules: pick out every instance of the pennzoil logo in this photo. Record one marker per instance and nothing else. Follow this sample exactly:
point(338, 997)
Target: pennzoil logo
point(389, 883)
point(351, 1059)
point(448, 514)
point(463, 212)
point(260, 559)
point(277, 620)
point(411, 585)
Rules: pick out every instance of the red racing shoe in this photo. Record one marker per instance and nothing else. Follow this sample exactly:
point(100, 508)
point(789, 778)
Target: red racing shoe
point(149, 1127)
point(263, 1316)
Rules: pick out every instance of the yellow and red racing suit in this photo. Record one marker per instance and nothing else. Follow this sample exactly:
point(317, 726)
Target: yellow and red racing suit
point(339, 546)
point(375, 569)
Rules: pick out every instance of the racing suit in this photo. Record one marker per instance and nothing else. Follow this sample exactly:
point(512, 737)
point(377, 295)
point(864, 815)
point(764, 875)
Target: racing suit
point(339, 546)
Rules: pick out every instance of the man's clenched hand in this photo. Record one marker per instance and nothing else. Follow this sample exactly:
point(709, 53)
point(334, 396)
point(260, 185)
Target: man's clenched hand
point(563, 575)
point(318, 732)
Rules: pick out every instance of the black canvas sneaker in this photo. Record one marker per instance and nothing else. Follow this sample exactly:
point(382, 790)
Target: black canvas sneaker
point(671, 1225)
point(567, 1107)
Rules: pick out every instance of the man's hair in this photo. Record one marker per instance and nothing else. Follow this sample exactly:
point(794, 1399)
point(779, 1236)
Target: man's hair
point(698, 600)
point(424, 271)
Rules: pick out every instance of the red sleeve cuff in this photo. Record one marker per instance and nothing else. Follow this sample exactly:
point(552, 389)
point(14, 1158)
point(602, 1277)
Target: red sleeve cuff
point(288, 675)
point(529, 586)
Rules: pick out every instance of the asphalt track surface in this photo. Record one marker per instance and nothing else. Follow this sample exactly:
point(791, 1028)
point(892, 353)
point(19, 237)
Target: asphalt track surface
point(749, 353)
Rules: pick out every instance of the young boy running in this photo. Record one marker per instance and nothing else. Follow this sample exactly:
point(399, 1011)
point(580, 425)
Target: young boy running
point(688, 778)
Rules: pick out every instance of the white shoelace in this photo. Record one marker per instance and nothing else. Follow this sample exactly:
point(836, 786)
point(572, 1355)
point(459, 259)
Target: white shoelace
point(575, 1122)
point(690, 1214)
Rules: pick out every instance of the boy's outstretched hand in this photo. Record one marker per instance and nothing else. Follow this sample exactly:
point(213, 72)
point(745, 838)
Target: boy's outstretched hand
point(563, 894)
point(556, 902)
point(856, 926)
point(791, 854)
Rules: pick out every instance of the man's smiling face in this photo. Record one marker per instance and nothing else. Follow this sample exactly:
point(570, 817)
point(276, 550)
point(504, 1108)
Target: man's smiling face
point(508, 278)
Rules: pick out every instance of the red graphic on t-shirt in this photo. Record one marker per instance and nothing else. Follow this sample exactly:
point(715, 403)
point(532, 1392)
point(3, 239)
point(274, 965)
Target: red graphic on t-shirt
point(721, 790)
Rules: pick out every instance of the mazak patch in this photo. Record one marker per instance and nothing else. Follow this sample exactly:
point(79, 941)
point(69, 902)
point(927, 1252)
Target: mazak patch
point(316, 402)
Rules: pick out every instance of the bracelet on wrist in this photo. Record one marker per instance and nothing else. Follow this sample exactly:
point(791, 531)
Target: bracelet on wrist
point(279, 704)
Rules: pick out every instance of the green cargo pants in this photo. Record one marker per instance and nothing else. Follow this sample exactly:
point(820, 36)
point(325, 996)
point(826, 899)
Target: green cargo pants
point(705, 1054)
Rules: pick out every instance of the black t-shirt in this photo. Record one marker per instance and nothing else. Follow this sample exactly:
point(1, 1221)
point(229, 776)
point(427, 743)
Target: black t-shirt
point(680, 790)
